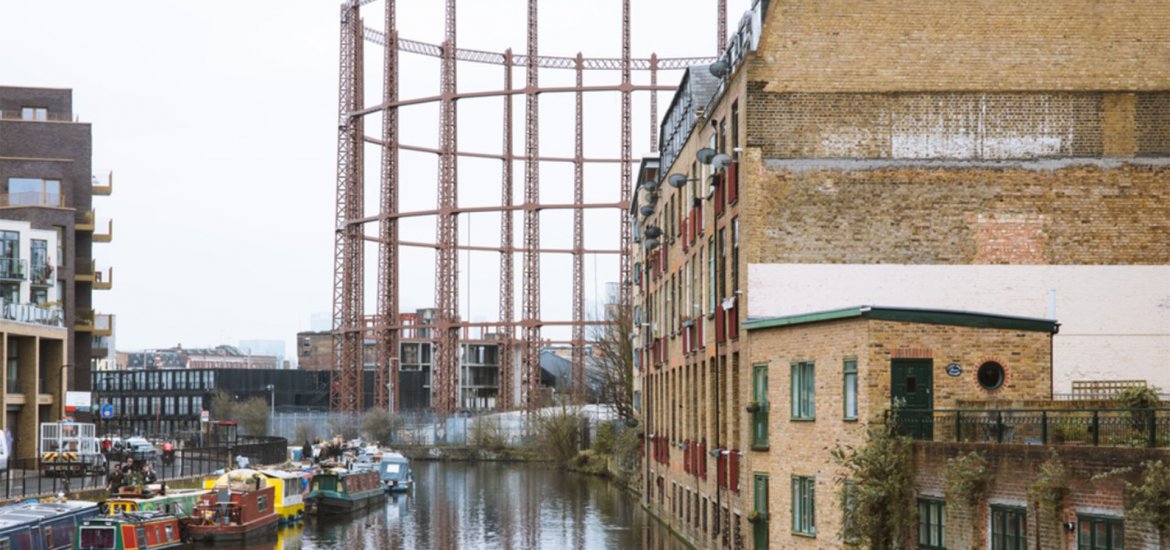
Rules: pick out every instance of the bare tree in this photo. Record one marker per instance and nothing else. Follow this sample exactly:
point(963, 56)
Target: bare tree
point(614, 359)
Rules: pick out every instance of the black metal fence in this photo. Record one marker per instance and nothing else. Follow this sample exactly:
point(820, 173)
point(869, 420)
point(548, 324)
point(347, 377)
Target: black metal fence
point(24, 479)
point(1094, 427)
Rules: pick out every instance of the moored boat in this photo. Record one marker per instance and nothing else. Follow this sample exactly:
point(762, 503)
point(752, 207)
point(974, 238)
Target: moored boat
point(240, 510)
point(132, 531)
point(339, 491)
point(48, 525)
point(289, 487)
point(180, 502)
point(395, 472)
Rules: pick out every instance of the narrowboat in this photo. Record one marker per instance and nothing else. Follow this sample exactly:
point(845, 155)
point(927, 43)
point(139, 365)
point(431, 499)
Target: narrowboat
point(132, 531)
point(290, 488)
point(235, 513)
point(43, 525)
point(340, 491)
point(395, 471)
point(180, 502)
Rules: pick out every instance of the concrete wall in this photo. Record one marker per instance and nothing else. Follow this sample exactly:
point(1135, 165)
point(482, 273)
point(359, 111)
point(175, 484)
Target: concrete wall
point(1115, 320)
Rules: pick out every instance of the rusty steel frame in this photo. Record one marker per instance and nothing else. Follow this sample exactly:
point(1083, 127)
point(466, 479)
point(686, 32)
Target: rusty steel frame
point(349, 326)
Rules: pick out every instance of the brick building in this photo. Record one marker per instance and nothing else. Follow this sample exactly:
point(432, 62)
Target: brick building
point(1009, 158)
point(46, 182)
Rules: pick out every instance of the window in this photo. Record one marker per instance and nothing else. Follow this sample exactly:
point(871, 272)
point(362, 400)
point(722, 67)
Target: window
point(803, 390)
point(13, 366)
point(711, 273)
point(850, 390)
point(1100, 533)
point(34, 192)
point(849, 532)
point(1007, 528)
point(760, 404)
point(42, 270)
point(760, 510)
point(39, 114)
point(991, 375)
point(734, 125)
point(931, 523)
point(40, 295)
point(734, 255)
point(804, 516)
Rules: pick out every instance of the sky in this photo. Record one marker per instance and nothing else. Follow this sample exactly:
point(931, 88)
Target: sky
point(218, 119)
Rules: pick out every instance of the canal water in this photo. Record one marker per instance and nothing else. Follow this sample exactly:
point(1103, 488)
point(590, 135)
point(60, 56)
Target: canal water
point(489, 505)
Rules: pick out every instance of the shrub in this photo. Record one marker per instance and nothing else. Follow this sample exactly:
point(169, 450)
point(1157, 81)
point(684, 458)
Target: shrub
point(967, 478)
point(1150, 500)
point(883, 490)
point(345, 425)
point(604, 442)
point(486, 433)
point(305, 432)
point(1051, 485)
point(557, 433)
point(380, 426)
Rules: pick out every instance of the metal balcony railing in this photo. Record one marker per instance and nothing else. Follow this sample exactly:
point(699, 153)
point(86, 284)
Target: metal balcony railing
point(13, 269)
point(33, 313)
point(103, 186)
point(1091, 427)
point(42, 274)
point(17, 200)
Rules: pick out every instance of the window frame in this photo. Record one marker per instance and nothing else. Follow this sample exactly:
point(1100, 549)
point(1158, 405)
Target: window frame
point(935, 523)
point(1108, 522)
point(760, 506)
point(849, 379)
point(999, 541)
point(802, 380)
point(760, 426)
point(804, 506)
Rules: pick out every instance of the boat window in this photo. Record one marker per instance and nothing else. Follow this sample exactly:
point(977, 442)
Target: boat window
point(170, 532)
point(97, 537)
point(391, 468)
point(262, 503)
point(140, 536)
point(5, 544)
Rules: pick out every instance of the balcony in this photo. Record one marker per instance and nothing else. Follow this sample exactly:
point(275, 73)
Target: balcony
point(84, 221)
point(100, 188)
point(13, 269)
point(42, 275)
point(103, 281)
point(88, 320)
point(39, 314)
point(100, 346)
point(36, 115)
point(1052, 426)
point(83, 269)
point(32, 199)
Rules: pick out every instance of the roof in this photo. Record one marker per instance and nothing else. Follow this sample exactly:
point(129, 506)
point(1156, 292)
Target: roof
point(911, 315)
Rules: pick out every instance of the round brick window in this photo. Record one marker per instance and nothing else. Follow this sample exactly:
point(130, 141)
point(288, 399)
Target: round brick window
point(990, 375)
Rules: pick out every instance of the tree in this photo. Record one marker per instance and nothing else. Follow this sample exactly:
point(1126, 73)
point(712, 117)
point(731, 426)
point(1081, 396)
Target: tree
point(380, 426)
point(252, 413)
point(614, 359)
point(878, 486)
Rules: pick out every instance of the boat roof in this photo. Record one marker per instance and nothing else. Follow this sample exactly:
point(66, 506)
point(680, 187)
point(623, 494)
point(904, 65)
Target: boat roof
point(40, 510)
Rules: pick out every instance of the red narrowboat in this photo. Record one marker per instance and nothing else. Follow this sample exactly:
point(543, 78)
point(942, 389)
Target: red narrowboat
point(234, 515)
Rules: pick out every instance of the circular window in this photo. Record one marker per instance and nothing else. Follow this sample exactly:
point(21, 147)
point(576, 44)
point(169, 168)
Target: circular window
point(991, 375)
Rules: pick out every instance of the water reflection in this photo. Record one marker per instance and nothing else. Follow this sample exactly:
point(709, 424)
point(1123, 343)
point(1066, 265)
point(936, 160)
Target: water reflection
point(489, 505)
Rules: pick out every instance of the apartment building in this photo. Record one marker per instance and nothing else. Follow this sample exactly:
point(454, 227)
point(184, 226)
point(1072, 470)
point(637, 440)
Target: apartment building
point(898, 154)
point(47, 184)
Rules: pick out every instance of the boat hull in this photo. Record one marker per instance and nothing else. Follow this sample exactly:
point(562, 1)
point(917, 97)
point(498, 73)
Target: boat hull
point(334, 504)
point(259, 529)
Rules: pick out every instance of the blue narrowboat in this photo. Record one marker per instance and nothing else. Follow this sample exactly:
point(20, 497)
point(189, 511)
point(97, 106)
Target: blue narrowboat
point(43, 525)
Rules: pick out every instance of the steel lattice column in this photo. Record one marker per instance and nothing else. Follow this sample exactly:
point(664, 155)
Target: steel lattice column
point(624, 279)
point(579, 244)
point(388, 335)
point(444, 370)
point(653, 102)
point(505, 400)
point(531, 305)
point(722, 37)
point(348, 265)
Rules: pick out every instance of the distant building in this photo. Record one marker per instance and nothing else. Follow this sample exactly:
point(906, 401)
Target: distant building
point(274, 348)
point(169, 402)
point(198, 358)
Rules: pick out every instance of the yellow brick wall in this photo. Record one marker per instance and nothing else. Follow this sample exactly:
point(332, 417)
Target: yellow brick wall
point(983, 45)
point(802, 448)
point(1078, 214)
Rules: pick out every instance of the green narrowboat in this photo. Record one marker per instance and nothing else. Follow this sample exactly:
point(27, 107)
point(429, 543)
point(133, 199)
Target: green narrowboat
point(341, 491)
point(132, 531)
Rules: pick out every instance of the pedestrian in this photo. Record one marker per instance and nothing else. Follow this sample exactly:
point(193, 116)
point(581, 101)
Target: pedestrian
point(307, 451)
point(115, 479)
point(148, 475)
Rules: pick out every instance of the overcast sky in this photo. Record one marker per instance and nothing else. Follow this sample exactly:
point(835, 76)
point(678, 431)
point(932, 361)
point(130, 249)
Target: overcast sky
point(219, 120)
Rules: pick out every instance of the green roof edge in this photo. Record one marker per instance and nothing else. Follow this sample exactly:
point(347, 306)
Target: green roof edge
point(911, 315)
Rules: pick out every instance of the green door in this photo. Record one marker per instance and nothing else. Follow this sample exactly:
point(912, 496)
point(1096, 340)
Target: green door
point(911, 388)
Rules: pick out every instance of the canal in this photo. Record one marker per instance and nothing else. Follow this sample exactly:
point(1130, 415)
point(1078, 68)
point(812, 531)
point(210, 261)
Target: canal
point(490, 505)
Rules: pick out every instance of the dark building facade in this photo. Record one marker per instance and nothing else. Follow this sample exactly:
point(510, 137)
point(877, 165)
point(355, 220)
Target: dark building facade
point(46, 180)
point(170, 401)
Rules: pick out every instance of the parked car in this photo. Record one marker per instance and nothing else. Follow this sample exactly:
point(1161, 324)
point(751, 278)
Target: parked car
point(139, 449)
